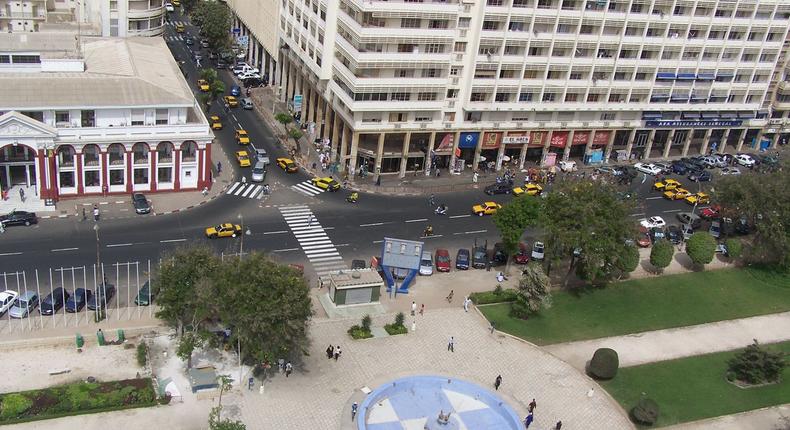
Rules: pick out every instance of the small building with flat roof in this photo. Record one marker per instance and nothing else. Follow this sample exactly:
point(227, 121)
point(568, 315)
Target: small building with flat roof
point(354, 287)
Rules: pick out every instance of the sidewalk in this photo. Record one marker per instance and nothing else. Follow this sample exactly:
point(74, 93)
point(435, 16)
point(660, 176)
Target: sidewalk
point(117, 206)
point(760, 419)
point(647, 347)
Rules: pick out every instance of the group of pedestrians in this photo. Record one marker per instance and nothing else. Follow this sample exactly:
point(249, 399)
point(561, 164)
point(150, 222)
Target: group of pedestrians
point(333, 352)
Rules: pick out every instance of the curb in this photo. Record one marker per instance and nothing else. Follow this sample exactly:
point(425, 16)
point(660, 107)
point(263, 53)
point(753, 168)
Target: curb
point(202, 202)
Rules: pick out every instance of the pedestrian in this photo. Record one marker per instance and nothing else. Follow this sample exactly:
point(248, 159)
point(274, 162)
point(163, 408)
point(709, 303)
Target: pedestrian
point(243, 179)
point(558, 426)
point(532, 406)
point(219, 168)
point(288, 369)
point(474, 177)
point(432, 200)
point(497, 382)
point(330, 352)
point(250, 383)
point(310, 220)
point(422, 309)
point(413, 325)
point(22, 195)
point(337, 352)
point(528, 420)
point(354, 407)
point(413, 308)
point(84, 215)
point(466, 304)
point(451, 345)
point(95, 213)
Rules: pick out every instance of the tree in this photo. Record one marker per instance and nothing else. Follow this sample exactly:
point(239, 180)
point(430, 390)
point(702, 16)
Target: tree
point(764, 200)
point(214, 20)
point(588, 217)
point(295, 134)
point(734, 248)
point(513, 218)
point(661, 254)
point(533, 292)
point(628, 259)
point(187, 345)
point(284, 118)
point(604, 364)
point(755, 365)
point(701, 247)
point(216, 86)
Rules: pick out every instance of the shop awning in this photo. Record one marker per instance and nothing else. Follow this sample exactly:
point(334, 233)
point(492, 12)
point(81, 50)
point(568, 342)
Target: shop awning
point(725, 76)
point(651, 115)
point(706, 77)
point(715, 99)
point(709, 115)
point(665, 76)
point(686, 76)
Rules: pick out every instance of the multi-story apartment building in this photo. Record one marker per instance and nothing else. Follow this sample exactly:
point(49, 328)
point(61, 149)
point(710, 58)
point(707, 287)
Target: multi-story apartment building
point(97, 116)
point(406, 85)
point(132, 17)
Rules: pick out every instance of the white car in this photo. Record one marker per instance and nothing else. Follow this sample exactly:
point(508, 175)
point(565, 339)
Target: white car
point(244, 76)
point(653, 222)
point(568, 166)
point(169, 7)
point(538, 251)
point(247, 71)
point(7, 299)
point(647, 168)
point(744, 160)
point(426, 264)
point(730, 171)
point(239, 68)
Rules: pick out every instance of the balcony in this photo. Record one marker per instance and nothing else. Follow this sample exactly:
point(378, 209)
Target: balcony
point(364, 83)
point(363, 60)
point(449, 7)
point(147, 133)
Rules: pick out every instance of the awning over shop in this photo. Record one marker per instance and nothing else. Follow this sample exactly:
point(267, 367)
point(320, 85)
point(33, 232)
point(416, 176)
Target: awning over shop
point(689, 115)
point(746, 115)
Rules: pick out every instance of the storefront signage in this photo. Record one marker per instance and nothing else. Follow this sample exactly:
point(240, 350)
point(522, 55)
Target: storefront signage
point(537, 139)
point(700, 124)
point(580, 138)
point(515, 140)
point(559, 139)
point(446, 144)
point(601, 137)
point(468, 140)
point(491, 140)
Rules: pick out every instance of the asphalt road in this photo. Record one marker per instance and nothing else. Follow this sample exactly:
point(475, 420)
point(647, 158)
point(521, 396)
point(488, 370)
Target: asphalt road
point(356, 230)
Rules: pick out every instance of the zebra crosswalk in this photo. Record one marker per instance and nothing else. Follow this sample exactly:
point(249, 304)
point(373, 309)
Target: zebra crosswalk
point(307, 188)
point(313, 240)
point(174, 38)
point(248, 191)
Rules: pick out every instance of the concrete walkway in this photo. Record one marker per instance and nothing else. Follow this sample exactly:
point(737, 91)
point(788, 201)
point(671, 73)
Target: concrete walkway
point(647, 347)
point(761, 419)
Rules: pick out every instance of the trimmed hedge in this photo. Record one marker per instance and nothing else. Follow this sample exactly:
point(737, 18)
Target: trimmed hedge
point(645, 412)
point(604, 364)
point(358, 332)
point(494, 296)
point(393, 329)
point(75, 399)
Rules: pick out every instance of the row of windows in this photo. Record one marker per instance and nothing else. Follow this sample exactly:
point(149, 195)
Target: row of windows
point(626, 75)
point(87, 118)
point(571, 96)
point(19, 59)
point(422, 96)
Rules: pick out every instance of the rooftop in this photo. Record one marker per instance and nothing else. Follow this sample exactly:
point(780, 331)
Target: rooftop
point(355, 278)
point(119, 72)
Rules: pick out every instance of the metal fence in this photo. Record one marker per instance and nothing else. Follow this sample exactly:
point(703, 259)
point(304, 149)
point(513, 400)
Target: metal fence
point(127, 279)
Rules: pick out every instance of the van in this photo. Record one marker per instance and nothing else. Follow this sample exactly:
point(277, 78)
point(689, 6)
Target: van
point(259, 172)
point(426, 264)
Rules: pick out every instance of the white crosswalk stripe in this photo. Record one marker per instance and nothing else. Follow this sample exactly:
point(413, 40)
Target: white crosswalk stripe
point(313, 240)
point(249, 191)
point(307, 188)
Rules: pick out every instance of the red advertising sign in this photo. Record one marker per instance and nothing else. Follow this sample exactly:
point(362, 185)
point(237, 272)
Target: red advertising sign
point(580, 137)
point(559, 139)
point(446, 144)
point(601, 137)
point(491, 140)
point(537, 139)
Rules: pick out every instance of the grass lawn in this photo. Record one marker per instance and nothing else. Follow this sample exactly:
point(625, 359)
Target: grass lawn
point(650, 304)
point(694, 388)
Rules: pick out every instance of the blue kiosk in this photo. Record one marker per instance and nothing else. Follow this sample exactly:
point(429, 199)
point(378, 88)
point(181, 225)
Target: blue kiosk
point(400, 255)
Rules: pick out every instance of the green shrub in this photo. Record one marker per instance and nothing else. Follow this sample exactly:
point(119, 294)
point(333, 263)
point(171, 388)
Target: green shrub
point(142, 354)
point(755, 365)
point(661, 254)
point(283, 118)
point(734, 248)
point(487, 297)
point(366, 321)
point(399, 318)
point(645, 412)
point(604, 364)
point(358, 332)
point(14, 405)
point(393, 329)
point(498, 290)
point(295, 134)
point(701, 247)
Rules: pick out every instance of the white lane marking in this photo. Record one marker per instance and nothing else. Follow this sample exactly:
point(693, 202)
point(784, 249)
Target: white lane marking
point(276, 232)
point(319, 246)
point(286, 250)
point(10, 253)
point(673, 210)
point(233, 188)
point(63, 249)
point(653, 198)
point(116, 245)
point(378, 241)
point(433, 235)
point(460, 216)
point(120, 201)
point(416, 220)
point(342, 244)
point(286, 209)
point(240, 190)
point(310, 235)
point(371, 224)
point(325, 259)
point(249, 193)
point(476, 231)
point(172, 240)
point(311, 255)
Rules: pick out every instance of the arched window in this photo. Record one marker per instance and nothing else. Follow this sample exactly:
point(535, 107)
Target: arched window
point(140, 153)
point(66, 155)
point(91, 155)
point(165, 152)
point(188, 151)
point(116, 151)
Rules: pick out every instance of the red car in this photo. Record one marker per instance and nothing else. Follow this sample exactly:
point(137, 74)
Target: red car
point(710, 212)
point(522, 256)
point(442, 259)
point(643, 237)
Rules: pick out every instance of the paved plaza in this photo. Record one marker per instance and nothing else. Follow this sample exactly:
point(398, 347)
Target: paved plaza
point(320, 395)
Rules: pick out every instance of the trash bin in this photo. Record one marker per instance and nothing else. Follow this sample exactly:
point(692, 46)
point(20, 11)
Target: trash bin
point(80, 341)
point(121, 336)
point(100, 338)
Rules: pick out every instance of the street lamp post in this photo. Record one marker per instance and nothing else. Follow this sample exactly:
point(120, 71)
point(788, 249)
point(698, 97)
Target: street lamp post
point(241, 245)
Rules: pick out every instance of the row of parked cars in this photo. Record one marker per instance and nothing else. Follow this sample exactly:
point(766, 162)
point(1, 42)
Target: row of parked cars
point(698, 168)
point(21, 305)
point(479, 257)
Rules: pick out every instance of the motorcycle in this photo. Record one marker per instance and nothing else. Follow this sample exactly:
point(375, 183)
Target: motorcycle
point(352, 198)
point(441, 210)
point(428, 231)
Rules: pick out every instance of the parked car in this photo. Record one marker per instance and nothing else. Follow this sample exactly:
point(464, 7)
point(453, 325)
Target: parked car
point(719, 160)
point(253, 82)
point(500, 256)
point(102, 297)
point(687, 231)
point(711, 212)
point(709, 162)
point(54, 301)
point(674, 234)
point(656, 234)
point(145, 296)
point(501, 188)
point(568, 166)
point(258, 172)
point(700, 176)
point(7, 299)
point(647, 168)
point(18, 218)
point(666, 167)
point(730, 171)
point(462, 259)
point(522, 256)
point(169, 7)
point(140, 203)
point(246, 103)
point(643, 238)
point(745, 160)
point(235, 90)
point(442, 260)
point(742, 226)
point(221, 64)
point(479, 257)
point(77, 301)
point(715, 229)
point(688, 218)
point(653, 221)
point(261, 155)
point(426, 264)
point(23, 305)
point(538, 251)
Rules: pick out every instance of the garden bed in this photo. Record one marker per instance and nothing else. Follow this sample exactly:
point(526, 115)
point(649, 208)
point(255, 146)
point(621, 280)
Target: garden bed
point(75, 399)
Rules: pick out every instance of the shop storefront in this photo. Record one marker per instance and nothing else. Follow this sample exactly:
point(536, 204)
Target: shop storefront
point(489, 151)
point(442, 152)
point(515, 150)
point(579, 143)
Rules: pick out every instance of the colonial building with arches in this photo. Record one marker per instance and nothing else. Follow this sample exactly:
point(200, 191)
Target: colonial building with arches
point(115, 117)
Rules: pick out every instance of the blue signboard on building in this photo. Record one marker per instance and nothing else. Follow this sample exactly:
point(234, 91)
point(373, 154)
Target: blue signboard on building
point(468, 140)
point(693, 124)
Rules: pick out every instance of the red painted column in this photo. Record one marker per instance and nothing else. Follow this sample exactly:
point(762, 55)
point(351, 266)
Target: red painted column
point(152, 173)
point(209, 165)
point(105, 167)
point(129, 171)
point(79, 174)
point(177, 170)
point(42, 167)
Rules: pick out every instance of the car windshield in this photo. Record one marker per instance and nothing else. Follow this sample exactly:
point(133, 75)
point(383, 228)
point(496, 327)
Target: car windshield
point(258, 171)
point(425, 263)
point(479, 254)
point(443, 258)
point(538, 247)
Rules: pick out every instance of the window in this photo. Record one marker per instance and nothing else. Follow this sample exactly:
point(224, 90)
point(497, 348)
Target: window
point(460, 47)
point(66, 179)
point(515, 26)
point(491, 25)
point(88, 118)
point(454, 71)
point(116, 177)
point(452, 93)
point(410, 22)
point(406, 48)
point(478, 97)
point(434, 48)
point(398, 116)
point(401, 97)
point(609, 116)
point(141, 176)
point(549, 97)
point(90, 155)
point(25, 59)
point(92, 178)
point(430, 73)
point(161, 116)
point(5, 59)
point(164, 175)
point(138, 116)
point(140, 153)
point(536, 52)
point(502, 97)
point(437, 23)
point(425, 96)
point(464, 22)
point(404, 73)
point(525, 97)
point(571, 97)
point(422, 119)
point(593, 97)
point(36, 115)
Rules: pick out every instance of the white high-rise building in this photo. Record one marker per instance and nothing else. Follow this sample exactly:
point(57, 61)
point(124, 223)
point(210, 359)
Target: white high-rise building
point(405, 85)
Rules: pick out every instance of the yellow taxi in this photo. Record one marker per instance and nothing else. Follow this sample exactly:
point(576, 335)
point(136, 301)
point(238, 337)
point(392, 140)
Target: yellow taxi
point(529, 189)
point(223, 230)
point(326, 183)
point(287, 164)
point(677, 194)
point(698, 199)
point(216, 123)
point(179, 26)
point(203, 85)
point(243, 158)
point(232, 101)
point(487, 208)
point(666, 185)
point(242, 138)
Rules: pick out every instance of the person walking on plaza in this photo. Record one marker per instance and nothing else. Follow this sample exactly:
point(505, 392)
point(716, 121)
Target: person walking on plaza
point(466, 303)
point(354, 407)
point(432, 200)
point(528, 420)
point(337, 352)
point(413, 308)
point(558, 426)
point(422, 309)
point(497, 382)
point(330, 352)
point(289, 368)
point(532, 406)
point(451, 345)
point(95, 213)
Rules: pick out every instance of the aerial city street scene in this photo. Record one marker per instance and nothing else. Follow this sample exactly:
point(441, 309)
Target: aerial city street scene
point(395, 214)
